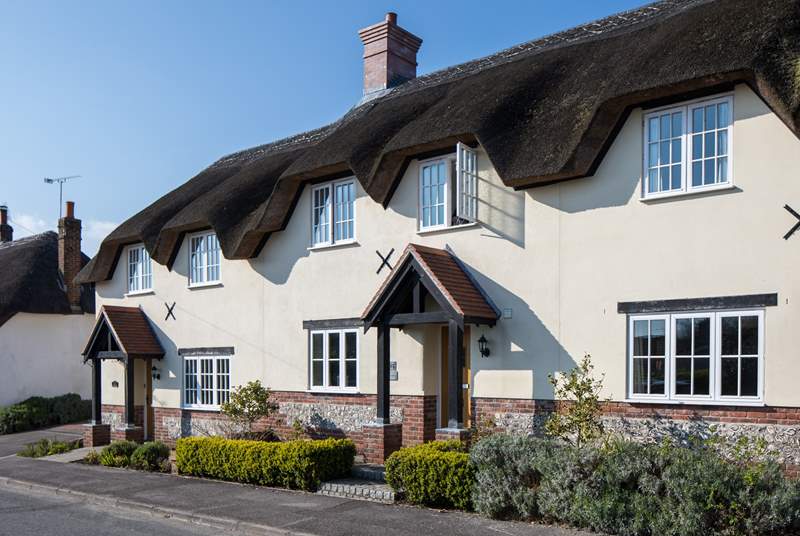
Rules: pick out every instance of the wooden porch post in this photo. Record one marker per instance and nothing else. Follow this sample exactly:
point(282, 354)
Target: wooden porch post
point(130, 420)
point(383, 373)
point(455, 365)
point(97, 416)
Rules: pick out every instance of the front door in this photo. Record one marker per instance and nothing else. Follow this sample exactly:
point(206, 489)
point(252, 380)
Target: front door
point(443, 391)
point(149, 424)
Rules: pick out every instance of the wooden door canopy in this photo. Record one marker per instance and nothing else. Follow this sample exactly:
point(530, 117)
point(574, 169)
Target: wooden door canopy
point(122, 333)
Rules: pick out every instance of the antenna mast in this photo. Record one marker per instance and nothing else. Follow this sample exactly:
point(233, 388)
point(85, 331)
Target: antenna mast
point(60, 181)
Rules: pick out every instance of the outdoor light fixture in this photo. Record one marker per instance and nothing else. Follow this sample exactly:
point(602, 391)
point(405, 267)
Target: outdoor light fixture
point(483, 346)
point(156, 373)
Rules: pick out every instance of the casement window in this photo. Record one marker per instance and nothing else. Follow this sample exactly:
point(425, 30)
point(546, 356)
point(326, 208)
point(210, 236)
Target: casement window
point(448, 190)
point(333, 216)
point(140, 270)
point(688, 148)
point(713, 356)
point(334, 360)
point(206, 381)
point(204, 259)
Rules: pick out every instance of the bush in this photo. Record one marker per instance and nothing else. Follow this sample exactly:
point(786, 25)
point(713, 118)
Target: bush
point(629, 488)
point(118, 453)
point(92, 458)
point(433, 474)
point(299, 464)
point(38, 412)
point(48, 447)
point(151, 456)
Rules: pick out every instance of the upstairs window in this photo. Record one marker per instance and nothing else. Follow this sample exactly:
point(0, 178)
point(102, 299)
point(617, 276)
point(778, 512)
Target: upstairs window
point(204, 259)
point(333, 216)
point(688, 148)
point(140, 270)
point(448, 190)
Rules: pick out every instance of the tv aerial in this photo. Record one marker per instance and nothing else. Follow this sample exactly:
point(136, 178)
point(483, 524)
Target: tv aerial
point(60, 181)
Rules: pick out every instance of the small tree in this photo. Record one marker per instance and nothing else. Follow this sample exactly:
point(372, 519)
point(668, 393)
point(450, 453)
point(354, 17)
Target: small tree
point(247, 404)
point(579, 422)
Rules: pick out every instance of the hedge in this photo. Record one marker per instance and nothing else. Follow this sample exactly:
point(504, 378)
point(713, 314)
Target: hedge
point(433, 474)
point(300, 464)
point(38, 412)
point(151, 456)
point(629, 488)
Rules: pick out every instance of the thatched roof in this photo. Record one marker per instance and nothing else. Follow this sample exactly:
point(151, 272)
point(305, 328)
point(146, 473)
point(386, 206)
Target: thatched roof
point(544, 111)
point(30, 281)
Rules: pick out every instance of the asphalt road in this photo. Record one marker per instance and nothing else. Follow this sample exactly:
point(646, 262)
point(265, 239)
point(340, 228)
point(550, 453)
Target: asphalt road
point(31, 514)
point(10, 444)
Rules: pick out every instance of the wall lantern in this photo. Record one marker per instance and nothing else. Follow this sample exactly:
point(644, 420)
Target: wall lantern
point(483, 346)
point(156, 373)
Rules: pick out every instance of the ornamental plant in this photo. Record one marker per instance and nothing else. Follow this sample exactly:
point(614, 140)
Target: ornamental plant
point(579, 422)
point(247, 404)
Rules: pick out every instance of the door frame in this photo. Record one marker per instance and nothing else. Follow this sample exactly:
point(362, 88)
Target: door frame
point(441, 384)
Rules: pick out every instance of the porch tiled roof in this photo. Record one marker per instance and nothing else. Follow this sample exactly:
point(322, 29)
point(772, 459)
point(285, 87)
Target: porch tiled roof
point(449, 276)
point(132, 330)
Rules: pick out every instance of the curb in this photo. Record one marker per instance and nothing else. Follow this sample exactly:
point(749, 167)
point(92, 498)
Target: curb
point(222, 523)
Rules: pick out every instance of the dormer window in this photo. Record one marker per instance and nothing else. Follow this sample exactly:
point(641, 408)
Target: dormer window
point(448, 190)
point(333, 213)
point(687, 148)
point(204, 259)
point(140, 270)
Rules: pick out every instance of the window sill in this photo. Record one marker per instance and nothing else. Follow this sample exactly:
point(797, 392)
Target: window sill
point(196, 286)
point(704, 402)
point(436, 230)
point(148, 292)
point(202, 408)
point(348, 243)
point(333, 391)
point(688, 193)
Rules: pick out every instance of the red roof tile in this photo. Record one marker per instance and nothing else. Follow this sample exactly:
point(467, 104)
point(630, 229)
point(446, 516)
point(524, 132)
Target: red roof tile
point(132, 330)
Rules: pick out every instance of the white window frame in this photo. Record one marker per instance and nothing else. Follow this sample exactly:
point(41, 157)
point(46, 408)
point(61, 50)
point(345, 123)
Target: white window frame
point(447, 161)
point(453, 185)
point(204, 265)
point(673, 356)
point(686, 148)
point(466, 183)
point(216, 385)
point(715, 368)
point(326, 363)
point(144, 271)
point(330, 239)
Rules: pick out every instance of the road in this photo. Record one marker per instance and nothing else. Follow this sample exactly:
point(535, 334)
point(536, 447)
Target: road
point(31, 514)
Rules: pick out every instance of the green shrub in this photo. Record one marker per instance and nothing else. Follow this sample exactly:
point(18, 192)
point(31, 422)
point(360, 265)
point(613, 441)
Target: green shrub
point(629, 488)
point(92, 458)
point(38, 412)
point(299, 464)
point(151, 456)
point(433, 474)
point(48, 447)
point(118, 453)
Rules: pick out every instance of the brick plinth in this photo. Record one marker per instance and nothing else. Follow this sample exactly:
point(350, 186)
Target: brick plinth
point(380, 440)
point(458, 434)
point(96, 435)
point(135, 433)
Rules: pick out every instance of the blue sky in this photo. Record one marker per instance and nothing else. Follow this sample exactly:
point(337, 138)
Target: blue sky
point(137, 97)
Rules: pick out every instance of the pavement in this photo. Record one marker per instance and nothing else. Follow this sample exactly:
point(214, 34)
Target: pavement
point(10, 444)
point(238, 508)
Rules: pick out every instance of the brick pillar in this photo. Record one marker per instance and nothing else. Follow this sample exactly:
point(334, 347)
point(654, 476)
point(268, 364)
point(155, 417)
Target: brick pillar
point(69, 254)
point(131, 433)
point(96, 435)
point(460, 434)
point(380, 440)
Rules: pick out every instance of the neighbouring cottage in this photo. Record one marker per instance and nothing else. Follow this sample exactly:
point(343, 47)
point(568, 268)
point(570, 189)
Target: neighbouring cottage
point(426, 261)
point(44, 314)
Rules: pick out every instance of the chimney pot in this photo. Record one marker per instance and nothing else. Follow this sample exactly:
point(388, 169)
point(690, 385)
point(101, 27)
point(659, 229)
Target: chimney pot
point(70, 209)
point(6, 231)
point(390, 54)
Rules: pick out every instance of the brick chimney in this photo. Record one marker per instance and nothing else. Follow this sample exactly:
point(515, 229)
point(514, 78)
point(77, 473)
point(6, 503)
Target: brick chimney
point(390, 54)
point(69, 254)
point(6, 231)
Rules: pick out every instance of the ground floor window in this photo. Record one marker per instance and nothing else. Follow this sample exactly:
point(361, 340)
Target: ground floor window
point(334, 360)
point(206, 381)
point(716, 356)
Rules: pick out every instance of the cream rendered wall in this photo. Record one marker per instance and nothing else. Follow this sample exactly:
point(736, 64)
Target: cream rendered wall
point(558, 258)
point(41, 356)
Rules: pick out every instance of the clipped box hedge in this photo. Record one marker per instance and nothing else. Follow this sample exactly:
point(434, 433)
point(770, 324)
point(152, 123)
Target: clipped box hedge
point(301, 464)
point(38, 412)
point(434, 474)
